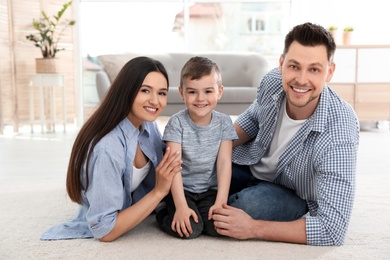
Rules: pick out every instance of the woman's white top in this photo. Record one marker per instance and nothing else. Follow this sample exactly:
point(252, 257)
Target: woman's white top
point(139, 175)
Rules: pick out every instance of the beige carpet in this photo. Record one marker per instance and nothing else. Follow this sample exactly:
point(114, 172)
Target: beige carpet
point(33, 197)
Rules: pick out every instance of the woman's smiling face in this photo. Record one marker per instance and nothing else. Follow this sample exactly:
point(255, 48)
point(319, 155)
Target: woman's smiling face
point(150, 100)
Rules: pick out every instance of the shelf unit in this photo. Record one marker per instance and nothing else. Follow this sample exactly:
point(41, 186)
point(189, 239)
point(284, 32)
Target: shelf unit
point(364, 79)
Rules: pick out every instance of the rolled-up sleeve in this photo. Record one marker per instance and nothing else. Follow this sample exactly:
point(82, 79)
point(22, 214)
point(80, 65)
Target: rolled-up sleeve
point(335, 191)
point(105, 194)
point(247, 120)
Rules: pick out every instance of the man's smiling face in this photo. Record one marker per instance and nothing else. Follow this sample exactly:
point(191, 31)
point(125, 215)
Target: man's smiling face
point(304, 70)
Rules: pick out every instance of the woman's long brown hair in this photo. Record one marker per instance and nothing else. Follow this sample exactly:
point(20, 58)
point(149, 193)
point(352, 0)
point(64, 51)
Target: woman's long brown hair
point(115, 106)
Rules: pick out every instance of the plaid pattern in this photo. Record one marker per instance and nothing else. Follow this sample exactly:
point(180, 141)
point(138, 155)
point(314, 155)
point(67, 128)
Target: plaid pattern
point(319, 162)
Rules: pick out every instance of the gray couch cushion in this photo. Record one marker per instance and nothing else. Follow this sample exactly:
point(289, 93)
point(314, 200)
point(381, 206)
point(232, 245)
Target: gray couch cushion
point(241, 74)
point(238, 69)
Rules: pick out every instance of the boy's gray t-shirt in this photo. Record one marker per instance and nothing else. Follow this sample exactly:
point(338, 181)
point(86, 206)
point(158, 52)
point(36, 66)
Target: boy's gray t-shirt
point(200, 146)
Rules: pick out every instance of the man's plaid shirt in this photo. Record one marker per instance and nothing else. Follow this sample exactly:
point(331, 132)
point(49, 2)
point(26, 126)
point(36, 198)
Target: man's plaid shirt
point(319, 162)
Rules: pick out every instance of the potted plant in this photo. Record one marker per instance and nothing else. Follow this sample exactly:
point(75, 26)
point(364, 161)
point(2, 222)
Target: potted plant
point(333, 31)
point(347, 34)
point(50, 30)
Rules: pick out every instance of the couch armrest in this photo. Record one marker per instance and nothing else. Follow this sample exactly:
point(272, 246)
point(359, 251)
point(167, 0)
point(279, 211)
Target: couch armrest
point(102, 83)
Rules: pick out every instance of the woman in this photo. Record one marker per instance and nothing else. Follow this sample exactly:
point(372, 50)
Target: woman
point(117, 171)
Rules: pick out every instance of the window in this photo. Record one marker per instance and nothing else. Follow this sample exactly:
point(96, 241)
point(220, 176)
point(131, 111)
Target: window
point(177, 26)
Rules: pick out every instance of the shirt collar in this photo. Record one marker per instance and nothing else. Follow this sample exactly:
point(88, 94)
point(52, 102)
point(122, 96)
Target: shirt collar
point(320, 115)
point(318, 119)
point(129, 129)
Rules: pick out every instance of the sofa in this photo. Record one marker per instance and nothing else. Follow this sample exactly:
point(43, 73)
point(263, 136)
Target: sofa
point(241, 74)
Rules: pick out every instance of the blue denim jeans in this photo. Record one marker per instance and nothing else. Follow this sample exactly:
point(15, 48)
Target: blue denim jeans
point(264, 200)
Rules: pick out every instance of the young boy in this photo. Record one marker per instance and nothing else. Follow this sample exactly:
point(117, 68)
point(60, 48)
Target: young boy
point(204, 138)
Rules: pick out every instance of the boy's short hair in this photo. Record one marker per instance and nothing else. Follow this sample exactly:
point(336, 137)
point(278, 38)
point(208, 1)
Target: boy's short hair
point(197, 67)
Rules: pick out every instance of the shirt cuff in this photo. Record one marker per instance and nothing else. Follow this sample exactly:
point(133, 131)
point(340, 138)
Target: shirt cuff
point(104, 227)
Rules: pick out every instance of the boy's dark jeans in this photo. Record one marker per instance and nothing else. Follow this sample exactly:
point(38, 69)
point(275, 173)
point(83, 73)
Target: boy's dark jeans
point(200, 203)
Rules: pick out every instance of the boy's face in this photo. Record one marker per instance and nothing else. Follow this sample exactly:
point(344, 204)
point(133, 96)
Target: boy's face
point(304, 70)
point(201, 96)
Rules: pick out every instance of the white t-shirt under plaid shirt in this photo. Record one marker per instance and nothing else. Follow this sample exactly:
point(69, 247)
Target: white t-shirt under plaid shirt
point(320, 161)
point(200, 147)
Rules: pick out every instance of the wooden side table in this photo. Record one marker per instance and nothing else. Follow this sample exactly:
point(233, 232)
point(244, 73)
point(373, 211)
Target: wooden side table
point(46, 84)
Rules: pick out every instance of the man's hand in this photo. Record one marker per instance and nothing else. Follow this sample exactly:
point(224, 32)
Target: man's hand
point(233, 222)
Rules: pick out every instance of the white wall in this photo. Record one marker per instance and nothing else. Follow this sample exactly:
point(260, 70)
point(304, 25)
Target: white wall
point(371, 19)
point(105, 28)
point(117, 27)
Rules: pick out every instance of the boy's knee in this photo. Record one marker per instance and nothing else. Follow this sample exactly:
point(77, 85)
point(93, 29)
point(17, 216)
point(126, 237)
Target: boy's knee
point(210, 230)
point(195, 233)
point(197, 229)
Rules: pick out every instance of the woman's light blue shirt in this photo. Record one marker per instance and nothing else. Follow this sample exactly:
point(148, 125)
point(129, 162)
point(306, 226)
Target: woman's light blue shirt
point(110, 178)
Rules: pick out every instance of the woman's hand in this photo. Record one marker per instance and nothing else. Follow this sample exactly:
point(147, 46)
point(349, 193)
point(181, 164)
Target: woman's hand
point(166, 170)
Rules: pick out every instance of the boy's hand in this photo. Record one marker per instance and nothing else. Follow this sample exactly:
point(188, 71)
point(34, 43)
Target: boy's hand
point(181, 221)
point(212, 208)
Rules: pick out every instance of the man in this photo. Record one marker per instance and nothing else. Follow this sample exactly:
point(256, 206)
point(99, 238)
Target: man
point(296, 151)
